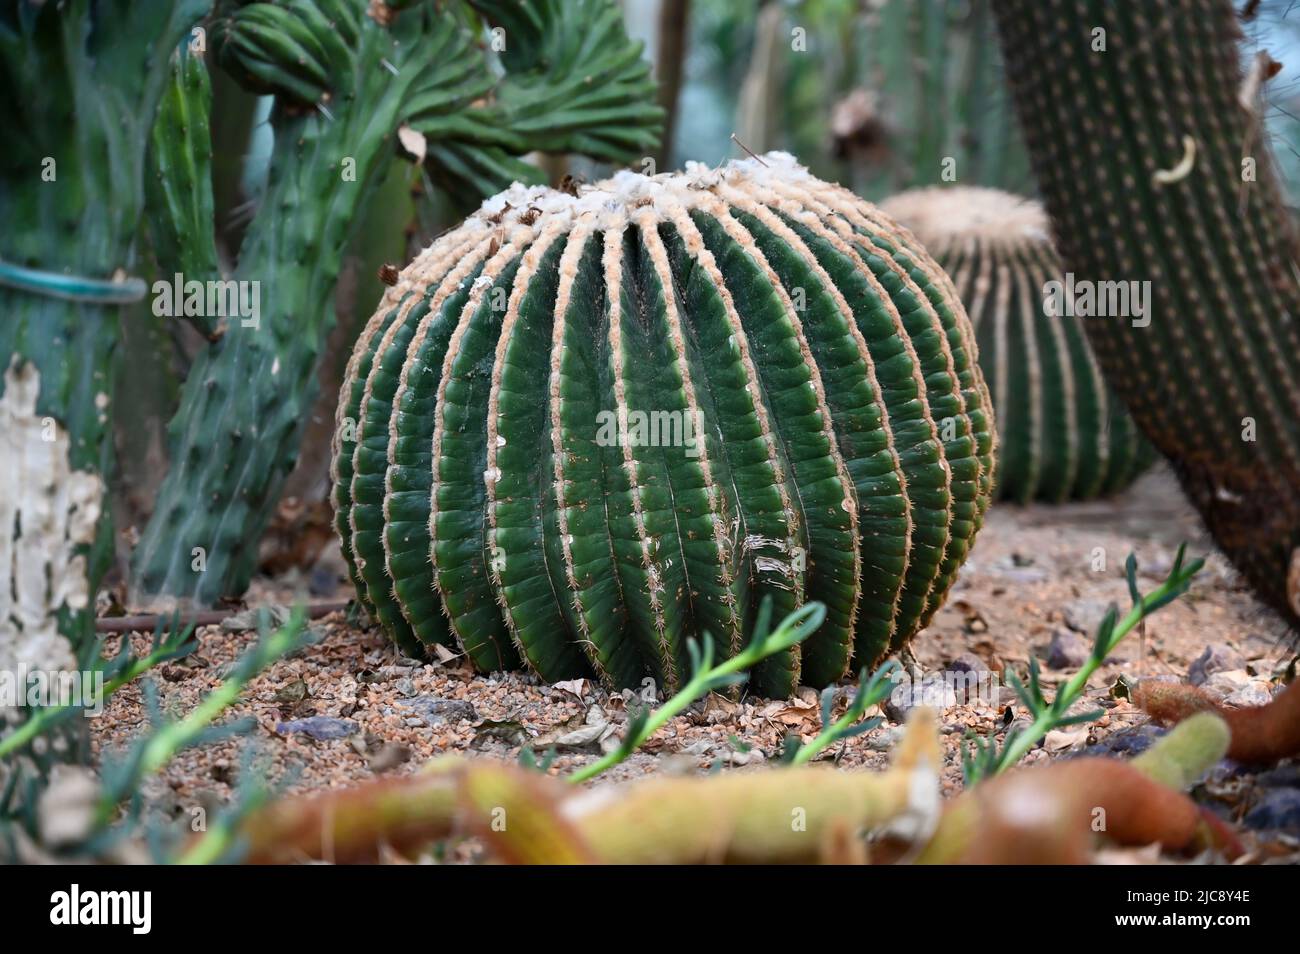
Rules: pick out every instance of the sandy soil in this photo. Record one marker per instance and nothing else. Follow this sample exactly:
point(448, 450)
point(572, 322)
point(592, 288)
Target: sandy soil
point(1037, 575)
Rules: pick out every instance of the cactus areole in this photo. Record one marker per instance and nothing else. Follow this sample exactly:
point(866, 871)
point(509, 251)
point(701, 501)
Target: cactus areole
point(1063, 433)
point(585, 428)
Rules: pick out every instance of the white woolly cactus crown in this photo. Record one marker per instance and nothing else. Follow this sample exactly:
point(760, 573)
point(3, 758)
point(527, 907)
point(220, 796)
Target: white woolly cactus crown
point(584, 428)
point(942, 217)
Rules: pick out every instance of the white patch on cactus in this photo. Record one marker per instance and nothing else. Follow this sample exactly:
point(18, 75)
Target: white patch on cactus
point(413, 142)
point(1182, 169)
point(47, 511)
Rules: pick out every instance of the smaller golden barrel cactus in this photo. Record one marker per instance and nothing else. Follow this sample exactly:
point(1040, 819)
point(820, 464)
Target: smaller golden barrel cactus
point(585, 427)
point(1064, 434)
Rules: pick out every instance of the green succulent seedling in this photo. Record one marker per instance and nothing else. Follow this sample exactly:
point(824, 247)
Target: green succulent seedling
point(871, 691)
point(984, 759)
point(170, 641)
point(707, 677)
point(118, 803)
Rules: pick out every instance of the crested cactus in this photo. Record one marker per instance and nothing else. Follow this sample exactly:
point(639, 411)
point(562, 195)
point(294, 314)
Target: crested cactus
point(584, 428)
point(1145, 136)
point(82, 81)
point(1062, 433)
point(347, 76)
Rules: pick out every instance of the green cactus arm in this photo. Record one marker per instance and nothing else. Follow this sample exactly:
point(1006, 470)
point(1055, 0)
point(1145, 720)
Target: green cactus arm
point(463, 151)
point(346, 432)
point(762, 499)
point(1153, 171)
point(244, 402)
point(804, 431)
point(520, 491)
point(369, 464)
point(584, 468)
point(853, 397)
point(913, 428)
point(178, 180)
point(458, 523)
point(82, 83)
point(481, 169)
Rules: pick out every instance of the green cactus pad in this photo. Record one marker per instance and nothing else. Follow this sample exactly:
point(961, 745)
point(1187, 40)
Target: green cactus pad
point(584, 429)
point(1064, 435)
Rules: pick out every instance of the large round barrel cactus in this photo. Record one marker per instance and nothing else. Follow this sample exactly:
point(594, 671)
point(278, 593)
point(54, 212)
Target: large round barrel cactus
point(584, 428)
point(1063, 433)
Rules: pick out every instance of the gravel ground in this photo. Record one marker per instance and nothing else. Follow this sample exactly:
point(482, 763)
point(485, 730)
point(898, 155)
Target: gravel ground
point(1040, 577)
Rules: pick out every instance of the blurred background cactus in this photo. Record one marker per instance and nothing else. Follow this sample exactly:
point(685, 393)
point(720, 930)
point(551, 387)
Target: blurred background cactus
point(1145, 129)
point(1063, 434)
point(81, 84)
point(875, 94)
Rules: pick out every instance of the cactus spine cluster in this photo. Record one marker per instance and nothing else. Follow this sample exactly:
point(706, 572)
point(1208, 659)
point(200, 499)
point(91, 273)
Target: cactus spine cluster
point(346, 76)
point(1063, 433)
point(582, 429)
point(1145, 135)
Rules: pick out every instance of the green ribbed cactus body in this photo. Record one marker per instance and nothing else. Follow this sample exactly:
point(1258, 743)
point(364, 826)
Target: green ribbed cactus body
point(582, 430)
point(1145, 131)
point(1064, 434)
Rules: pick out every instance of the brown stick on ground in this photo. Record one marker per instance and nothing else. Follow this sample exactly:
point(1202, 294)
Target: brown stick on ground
point(1260, 734)
point(147, 622)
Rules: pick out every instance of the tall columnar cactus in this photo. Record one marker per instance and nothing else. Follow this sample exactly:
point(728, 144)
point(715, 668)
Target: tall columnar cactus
point(1146, 141)
point(347, 75)
point(81, 83)
point(1064, 434)
point(582, 429)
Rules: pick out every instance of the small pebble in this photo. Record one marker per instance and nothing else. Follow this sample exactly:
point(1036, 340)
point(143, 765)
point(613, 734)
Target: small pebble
point(320, 728)
point(1085, 615)
point(1251, 694)
point(436, 711)
point(1217, 657)
point(1067, 650)
point(1279, 808)
point(884, 740)
point(1223, 684)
